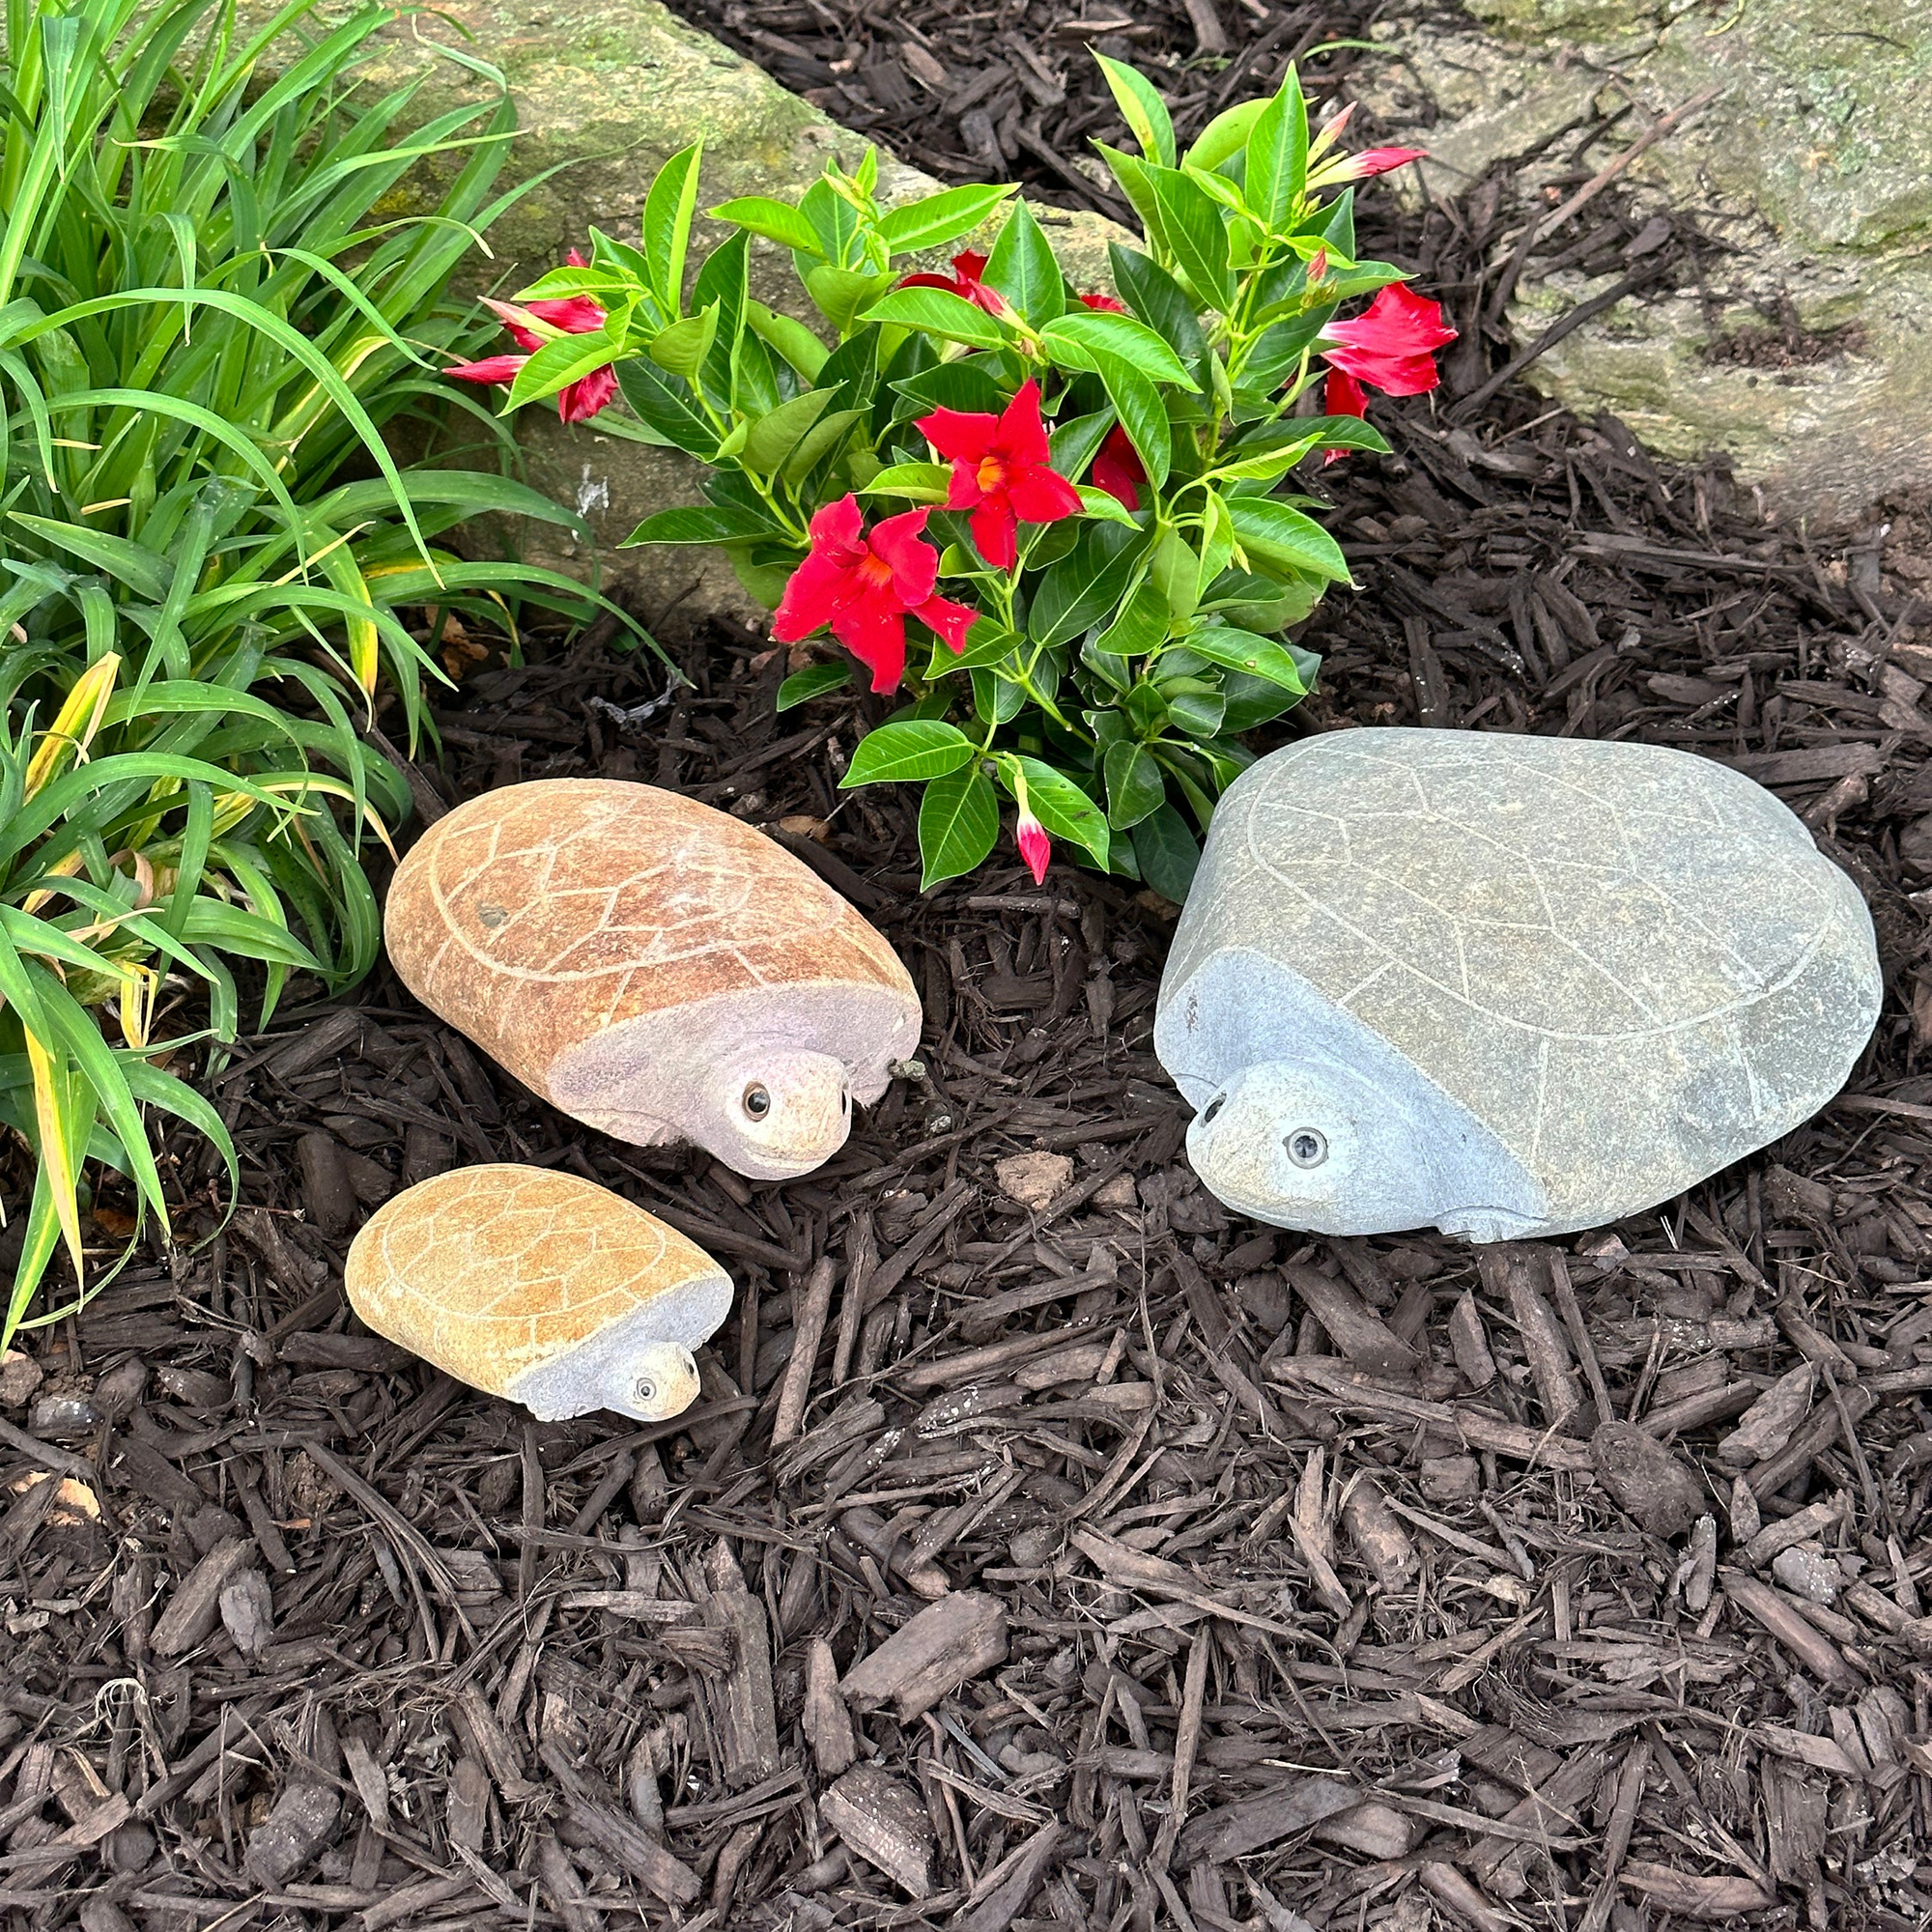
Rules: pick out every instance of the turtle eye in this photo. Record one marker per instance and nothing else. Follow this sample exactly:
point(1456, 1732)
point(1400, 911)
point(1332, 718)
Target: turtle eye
point(1214, 1107)
point(758, 1100)
point(1306, 1147)
point(647, 1391)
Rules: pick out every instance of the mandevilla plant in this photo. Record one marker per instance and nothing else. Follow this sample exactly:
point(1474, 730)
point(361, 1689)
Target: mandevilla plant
point(1096, 480)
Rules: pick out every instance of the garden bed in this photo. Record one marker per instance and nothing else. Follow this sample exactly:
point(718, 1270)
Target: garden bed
point(1092, 1418)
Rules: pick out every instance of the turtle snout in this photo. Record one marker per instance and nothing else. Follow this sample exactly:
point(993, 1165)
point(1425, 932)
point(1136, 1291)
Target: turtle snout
point(1235, 1146)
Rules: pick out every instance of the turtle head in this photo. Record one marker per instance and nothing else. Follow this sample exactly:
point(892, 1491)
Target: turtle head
point(1311, 1146)
point(776, 1112)
point(652, 1383)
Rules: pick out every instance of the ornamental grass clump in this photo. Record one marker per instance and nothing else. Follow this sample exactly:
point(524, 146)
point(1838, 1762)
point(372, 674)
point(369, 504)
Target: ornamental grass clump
point(1058, 519)
point(213, 302)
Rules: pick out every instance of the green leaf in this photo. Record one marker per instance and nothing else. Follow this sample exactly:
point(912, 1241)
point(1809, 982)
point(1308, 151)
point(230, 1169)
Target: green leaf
point(559, 364)
point(1141, 627)
point(701, 523)
point(1193, 707)
point(1251, 701)
point(1136, 180)
point(1158, 299)
point(1143, 110)
point(1085, 586)
point(667, 406)
point(939, 218)
point(1135, 786)
point(840, 293)
point(1196, 236)
point(1265, 466)
point(1281, 535)
point(818, 442)
point(1278, 156)
point(924, 748)
point(775, 435)
point(1344, 433)
point(923, 482)
point(1225, 135)
point(959, 823)
point(134, 564)
point(1243, 651)
point(791, 337)
point(669, 207)
point(1076, 339)
point(814, 681)
point(996, 699)
point(965, 386)
point(1167, 853)
point(1064, 809)
point(1023, 269)
point(1142, 412)
point(1106, 506)
point(682, 347)
point(775, 221)
point(939, 312)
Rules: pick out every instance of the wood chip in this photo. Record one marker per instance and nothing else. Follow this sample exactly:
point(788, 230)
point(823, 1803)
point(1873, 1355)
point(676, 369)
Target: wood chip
point(957, 1638)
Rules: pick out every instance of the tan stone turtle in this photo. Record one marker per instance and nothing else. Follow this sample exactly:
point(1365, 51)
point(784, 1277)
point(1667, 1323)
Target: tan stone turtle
point(541, 1287)
point(657, 969)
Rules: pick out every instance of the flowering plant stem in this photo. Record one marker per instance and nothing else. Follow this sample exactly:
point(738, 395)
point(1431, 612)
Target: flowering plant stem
point(1100, 481)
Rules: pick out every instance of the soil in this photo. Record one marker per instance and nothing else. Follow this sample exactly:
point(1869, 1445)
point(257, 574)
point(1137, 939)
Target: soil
point(1130, 1564)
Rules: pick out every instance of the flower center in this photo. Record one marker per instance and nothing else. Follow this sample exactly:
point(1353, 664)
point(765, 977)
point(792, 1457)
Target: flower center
point(875, 571)
point(992, 475)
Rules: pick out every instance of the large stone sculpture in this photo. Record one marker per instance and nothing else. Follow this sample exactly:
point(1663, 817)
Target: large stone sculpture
point(1507, 985)
point(541, 1287)
point(657, 969)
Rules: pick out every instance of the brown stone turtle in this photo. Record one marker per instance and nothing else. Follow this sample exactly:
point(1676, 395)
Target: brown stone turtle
point(541, 1287)
point(658, 969)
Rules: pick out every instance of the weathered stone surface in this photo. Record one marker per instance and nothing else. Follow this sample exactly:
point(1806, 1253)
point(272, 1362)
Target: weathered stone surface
point(1509, 985)
point(606, 92)
point(1808, 165)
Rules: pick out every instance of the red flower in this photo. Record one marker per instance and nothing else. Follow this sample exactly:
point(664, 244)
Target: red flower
point(1343, 396)
point(1036, 847)
point(964, 282)
point(575, 315)
point(1106, 305)
point(1118, 470)
point(1000, 472)
point(1393, 345)
point(1373, 161)
point(865, 587)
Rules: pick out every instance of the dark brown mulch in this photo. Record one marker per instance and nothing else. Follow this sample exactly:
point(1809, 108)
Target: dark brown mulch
point(1133, 1565)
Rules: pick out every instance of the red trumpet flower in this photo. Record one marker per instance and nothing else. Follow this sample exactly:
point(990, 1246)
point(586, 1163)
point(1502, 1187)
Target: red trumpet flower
point(863, 589)
point(1118, 468)
point(1001, 472)
point(1391, 347)
point(575, 315)
point(964, 282)
point(1106, 305)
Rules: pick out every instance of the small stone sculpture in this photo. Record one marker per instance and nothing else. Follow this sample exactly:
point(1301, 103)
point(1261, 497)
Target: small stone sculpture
point(541, 1287)
point(1509, 985)
point(660, 970)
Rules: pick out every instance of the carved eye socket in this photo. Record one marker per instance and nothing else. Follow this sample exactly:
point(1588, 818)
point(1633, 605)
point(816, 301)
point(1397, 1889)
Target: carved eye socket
point(1212, 1108)
point(1306, 1147)
point(647, 1391)
point(757, 1102)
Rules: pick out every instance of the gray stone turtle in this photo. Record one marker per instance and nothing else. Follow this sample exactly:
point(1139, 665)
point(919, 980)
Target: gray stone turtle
point(1507, 985)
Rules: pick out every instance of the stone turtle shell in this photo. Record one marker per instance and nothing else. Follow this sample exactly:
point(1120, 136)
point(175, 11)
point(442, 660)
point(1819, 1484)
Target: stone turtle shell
point(1608, 953)
point(489, 1271)
point(544, 913)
